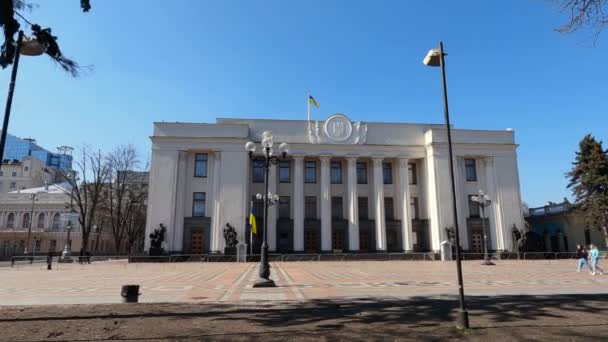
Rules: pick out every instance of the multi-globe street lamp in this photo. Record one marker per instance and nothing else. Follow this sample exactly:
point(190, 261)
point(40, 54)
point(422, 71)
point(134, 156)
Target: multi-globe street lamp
point(267, 159)
point(435, 58)
point(483, 201)
point(34, 198)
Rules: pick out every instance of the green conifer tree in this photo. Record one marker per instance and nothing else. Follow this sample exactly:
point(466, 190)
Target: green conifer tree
point(588, 181)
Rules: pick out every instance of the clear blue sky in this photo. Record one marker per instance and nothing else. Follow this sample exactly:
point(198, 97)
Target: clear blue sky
point(200, 60)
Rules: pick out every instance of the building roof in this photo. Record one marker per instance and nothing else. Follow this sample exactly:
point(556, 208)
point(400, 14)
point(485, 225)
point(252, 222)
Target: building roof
point(58, 188)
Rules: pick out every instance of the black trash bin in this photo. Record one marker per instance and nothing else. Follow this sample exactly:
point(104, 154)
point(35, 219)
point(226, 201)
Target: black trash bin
point(130, 293)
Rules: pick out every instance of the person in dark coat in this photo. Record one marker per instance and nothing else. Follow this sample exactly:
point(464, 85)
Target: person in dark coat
point(582, 256)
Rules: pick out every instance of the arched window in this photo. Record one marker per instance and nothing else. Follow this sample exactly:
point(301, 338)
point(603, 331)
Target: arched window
point(26, 220)
point(41, 218)
point(10, 221)
point(56, 221)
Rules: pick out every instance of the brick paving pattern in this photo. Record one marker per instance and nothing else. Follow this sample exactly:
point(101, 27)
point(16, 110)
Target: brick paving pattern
point(100, 282)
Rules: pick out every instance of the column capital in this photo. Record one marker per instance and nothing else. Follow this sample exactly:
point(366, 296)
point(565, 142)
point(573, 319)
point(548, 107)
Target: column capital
point(324, 158)
point(377, 159)
point(298, 156)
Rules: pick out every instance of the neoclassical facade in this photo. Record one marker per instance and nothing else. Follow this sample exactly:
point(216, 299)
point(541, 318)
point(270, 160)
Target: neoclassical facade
point(344, 187)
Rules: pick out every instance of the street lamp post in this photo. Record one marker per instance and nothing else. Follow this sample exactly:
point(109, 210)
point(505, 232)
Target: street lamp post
point(483, 201)
point(267, 159)
point(34, 198)
point(435, 58)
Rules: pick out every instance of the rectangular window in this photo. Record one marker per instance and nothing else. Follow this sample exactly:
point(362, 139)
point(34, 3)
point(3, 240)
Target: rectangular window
point(200, 165)
point(413, 177)
point(389, 211)
point(198, 204)
point(285, 171)
point(362, 205)
point(26, 168)
point(336, 172)
point(473, 207)
point(336, 208)
point(1, 173)
point(53, 246)
point(414, 208)
point(284, 207)
point(310, 172)
point(258, 207)
point(14, 174)
point(37, 245)
point(387, 173)
point(258, 171)
point(310, 209)
point(361, 173)
point(471, 171)
point(13, 185)
point(587, 237)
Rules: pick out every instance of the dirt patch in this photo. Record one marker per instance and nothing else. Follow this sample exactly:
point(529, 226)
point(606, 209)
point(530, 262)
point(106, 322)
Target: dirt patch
point(501, 318)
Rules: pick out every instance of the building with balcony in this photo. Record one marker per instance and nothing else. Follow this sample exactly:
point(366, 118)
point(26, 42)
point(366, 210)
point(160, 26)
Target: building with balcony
point(560, 228)
point(40, 209)
point(344, 187)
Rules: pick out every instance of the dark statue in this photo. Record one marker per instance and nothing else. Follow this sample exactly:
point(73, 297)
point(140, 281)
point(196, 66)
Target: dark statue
point(156, 240)
point(231, 241)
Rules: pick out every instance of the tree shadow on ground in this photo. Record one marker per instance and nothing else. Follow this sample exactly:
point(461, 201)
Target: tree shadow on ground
point(522, 311)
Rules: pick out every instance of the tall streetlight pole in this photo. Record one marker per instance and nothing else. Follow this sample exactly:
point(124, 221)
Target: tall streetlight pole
point(267, 159)
point(483, 201)
point(434, 58)
point(34, 198)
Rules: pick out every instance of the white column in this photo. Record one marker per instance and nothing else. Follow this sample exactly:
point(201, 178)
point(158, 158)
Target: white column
point(180, 202)
point(379, 205)
point(461, 201)
point(272, 210)
point(353, 204)
point(216, 225)
point(326, 244)
point(404, 205)
point(298, 204)
point(492, 211)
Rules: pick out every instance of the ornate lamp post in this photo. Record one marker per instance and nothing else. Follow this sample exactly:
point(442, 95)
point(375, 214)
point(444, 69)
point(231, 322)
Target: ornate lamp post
point(266, 159)
point(34, 198)
point(435, 58)
point(483, 201)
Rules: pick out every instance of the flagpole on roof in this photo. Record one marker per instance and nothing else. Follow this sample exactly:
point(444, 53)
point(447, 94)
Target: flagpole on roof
point(308, 105)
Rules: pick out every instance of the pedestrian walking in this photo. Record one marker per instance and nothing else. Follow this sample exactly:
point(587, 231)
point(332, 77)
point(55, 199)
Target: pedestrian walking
point(594, 258)
point(582, 256)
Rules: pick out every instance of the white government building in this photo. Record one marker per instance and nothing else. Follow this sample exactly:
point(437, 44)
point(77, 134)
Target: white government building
point(344, 187)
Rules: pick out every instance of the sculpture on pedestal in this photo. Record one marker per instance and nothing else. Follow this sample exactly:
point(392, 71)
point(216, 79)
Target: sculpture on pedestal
point(156, 240)
point(231, 241)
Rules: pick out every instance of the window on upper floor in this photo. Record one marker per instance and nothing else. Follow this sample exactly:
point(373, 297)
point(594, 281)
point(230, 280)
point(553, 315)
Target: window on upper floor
point(41, 218)
point(258, 207)
point(336, 208)
point(14, 174)
point(284, 207)
point(336, 172)
point(310, 207)
point(285, 171)
point(198, 204)
point(10, 221)
point(310, 172)
point(56, 221)
point(26, 168)
point(258, 171)
point(13, 185)
point(413, 177)
point(362, 206)
point(361, 173)
point(26, 220)
point(200, 164)
point(473, 207)
point(387, 173)
point(414, 208)
point(470, 170)
point(389, 210)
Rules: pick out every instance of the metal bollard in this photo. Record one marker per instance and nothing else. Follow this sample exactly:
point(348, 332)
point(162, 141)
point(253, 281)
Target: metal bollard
point(130, 293)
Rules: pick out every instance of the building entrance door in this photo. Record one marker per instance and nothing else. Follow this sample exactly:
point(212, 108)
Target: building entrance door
point(197, 243)
point(476, 243)
point(338, 241)
point(310, 241)
point(364, 241)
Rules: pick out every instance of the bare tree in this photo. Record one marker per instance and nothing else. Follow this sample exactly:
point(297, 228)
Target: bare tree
point(127, 193)
point(584, 14)
point(86, 193)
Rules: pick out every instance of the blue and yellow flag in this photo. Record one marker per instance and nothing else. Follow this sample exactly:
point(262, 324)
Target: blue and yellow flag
point(312, 101)
point(254, 226)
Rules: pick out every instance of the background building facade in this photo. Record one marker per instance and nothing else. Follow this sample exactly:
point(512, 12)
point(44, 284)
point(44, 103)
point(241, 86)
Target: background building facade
point(19, 148)
point(346, 186)
point(28, 172)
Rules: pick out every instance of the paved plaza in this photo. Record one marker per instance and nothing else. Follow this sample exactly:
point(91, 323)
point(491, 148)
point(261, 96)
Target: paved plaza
point(191, 282)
